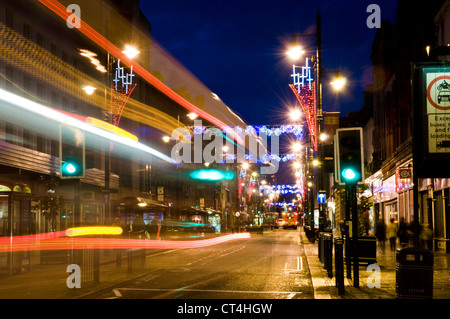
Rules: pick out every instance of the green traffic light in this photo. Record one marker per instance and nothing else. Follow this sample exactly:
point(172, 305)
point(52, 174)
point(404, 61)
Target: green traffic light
point(349, 174)
point(69, 168)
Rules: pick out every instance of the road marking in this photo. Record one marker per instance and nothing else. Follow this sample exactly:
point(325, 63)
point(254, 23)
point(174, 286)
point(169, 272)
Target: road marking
point(292, 270)
point(289, 293)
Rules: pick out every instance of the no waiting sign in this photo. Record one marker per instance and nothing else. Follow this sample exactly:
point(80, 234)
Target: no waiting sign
point(438, 111)
point(431, 100)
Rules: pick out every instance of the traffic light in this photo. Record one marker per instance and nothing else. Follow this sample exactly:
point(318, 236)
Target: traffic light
point(71, 152)
point(349, 158)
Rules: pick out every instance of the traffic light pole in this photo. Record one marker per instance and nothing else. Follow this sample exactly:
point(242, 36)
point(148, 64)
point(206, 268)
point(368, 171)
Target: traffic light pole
point(348, 257)
point(353, 207)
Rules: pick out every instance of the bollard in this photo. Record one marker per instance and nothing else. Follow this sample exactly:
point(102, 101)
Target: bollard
point(328, 253)
point(320, 249)
point(339, 264)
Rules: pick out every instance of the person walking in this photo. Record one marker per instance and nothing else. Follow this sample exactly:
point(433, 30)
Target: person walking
point(426, 236)
point(391, 232)
point(380, 234)
point(138, 226)
point(403, 233)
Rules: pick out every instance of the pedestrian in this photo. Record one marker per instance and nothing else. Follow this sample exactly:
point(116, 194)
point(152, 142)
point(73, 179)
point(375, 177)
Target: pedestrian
point(403, 233)
point(138, 226)
point(380, 234)
point(152, 229)
point(391, 232)
point(426, 235)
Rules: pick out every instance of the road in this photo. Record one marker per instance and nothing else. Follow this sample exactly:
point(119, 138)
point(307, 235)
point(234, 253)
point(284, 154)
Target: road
point(269, 266)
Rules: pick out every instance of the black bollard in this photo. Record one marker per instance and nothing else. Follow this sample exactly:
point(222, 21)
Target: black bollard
point(339, 264)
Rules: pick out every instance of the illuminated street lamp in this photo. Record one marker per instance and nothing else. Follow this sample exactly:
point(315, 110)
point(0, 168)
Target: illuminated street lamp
point(295, 52)
point(323, 137)
point(130, 51)
point(339, 82)
point(315, 162)
point(295, 115)
point(297, 147)
point(89, 89)
point(192, 116)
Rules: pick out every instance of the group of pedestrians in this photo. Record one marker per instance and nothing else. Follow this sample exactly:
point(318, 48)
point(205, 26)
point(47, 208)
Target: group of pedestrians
point(402, 232)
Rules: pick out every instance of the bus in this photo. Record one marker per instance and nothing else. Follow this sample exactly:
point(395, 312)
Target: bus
point(288, 220)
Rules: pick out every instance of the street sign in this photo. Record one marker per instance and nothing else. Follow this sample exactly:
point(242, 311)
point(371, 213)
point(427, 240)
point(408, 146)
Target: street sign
point(321, 198)
point(438, 111)
point(431, 114)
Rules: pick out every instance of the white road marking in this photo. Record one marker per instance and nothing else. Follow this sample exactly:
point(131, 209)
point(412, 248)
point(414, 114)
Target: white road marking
point(290, 293)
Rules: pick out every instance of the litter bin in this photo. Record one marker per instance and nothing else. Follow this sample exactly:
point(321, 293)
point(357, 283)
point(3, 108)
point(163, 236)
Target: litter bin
point(414, 274)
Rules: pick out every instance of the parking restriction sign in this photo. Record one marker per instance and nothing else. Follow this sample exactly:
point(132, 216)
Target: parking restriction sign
point(438, 111)
point(431, 99)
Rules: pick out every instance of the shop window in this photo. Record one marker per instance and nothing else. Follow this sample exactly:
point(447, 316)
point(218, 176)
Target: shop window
point(3, 216)
point(39, 39)
point(26, 31)
point(9, 19)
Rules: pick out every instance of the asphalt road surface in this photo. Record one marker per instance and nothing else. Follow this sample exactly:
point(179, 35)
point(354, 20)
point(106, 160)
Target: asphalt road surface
point(269, 266)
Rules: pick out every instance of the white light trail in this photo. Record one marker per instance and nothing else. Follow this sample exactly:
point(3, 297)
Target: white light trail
point(53, 115)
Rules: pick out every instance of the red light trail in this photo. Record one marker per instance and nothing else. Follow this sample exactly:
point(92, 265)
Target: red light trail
point(56, 241)
point(88, 31)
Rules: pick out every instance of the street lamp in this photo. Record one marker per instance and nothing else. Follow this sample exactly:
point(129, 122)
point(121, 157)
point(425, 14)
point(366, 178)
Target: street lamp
point(130, 51)
point(297, 147)
point(295, 114)
point(89, 89)
point(192, 116)
point(339, 82)
point(295, 52)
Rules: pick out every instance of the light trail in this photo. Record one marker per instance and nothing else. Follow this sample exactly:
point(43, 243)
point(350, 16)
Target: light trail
point(55, 241)
point(56, 116)
point(88, 31)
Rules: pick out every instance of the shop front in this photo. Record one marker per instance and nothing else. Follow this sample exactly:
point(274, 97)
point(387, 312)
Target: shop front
point(15, 220)
point(384, 198)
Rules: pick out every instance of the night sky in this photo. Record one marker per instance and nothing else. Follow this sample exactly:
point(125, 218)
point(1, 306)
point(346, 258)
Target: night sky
point(237, 48)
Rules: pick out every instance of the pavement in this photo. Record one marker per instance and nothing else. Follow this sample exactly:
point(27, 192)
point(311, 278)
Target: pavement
point(49, 281)
point(325, 287)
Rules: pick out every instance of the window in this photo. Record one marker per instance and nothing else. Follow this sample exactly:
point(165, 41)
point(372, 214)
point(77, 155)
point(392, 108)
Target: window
point(54, 148)
point(53, 49)
point(39, 39)
point(26, 31)
point(40, 143)
point(9, 19)
point(144, 177)
point(27, 138)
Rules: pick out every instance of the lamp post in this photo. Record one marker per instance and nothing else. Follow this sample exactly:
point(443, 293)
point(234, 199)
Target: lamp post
point(338, 83)
point(131, 53)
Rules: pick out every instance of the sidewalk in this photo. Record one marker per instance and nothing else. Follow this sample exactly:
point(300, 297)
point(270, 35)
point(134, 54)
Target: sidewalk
point(325, 287)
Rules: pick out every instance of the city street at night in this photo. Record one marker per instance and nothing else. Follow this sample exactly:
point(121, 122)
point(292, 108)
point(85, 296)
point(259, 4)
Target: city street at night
point(225, 158)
